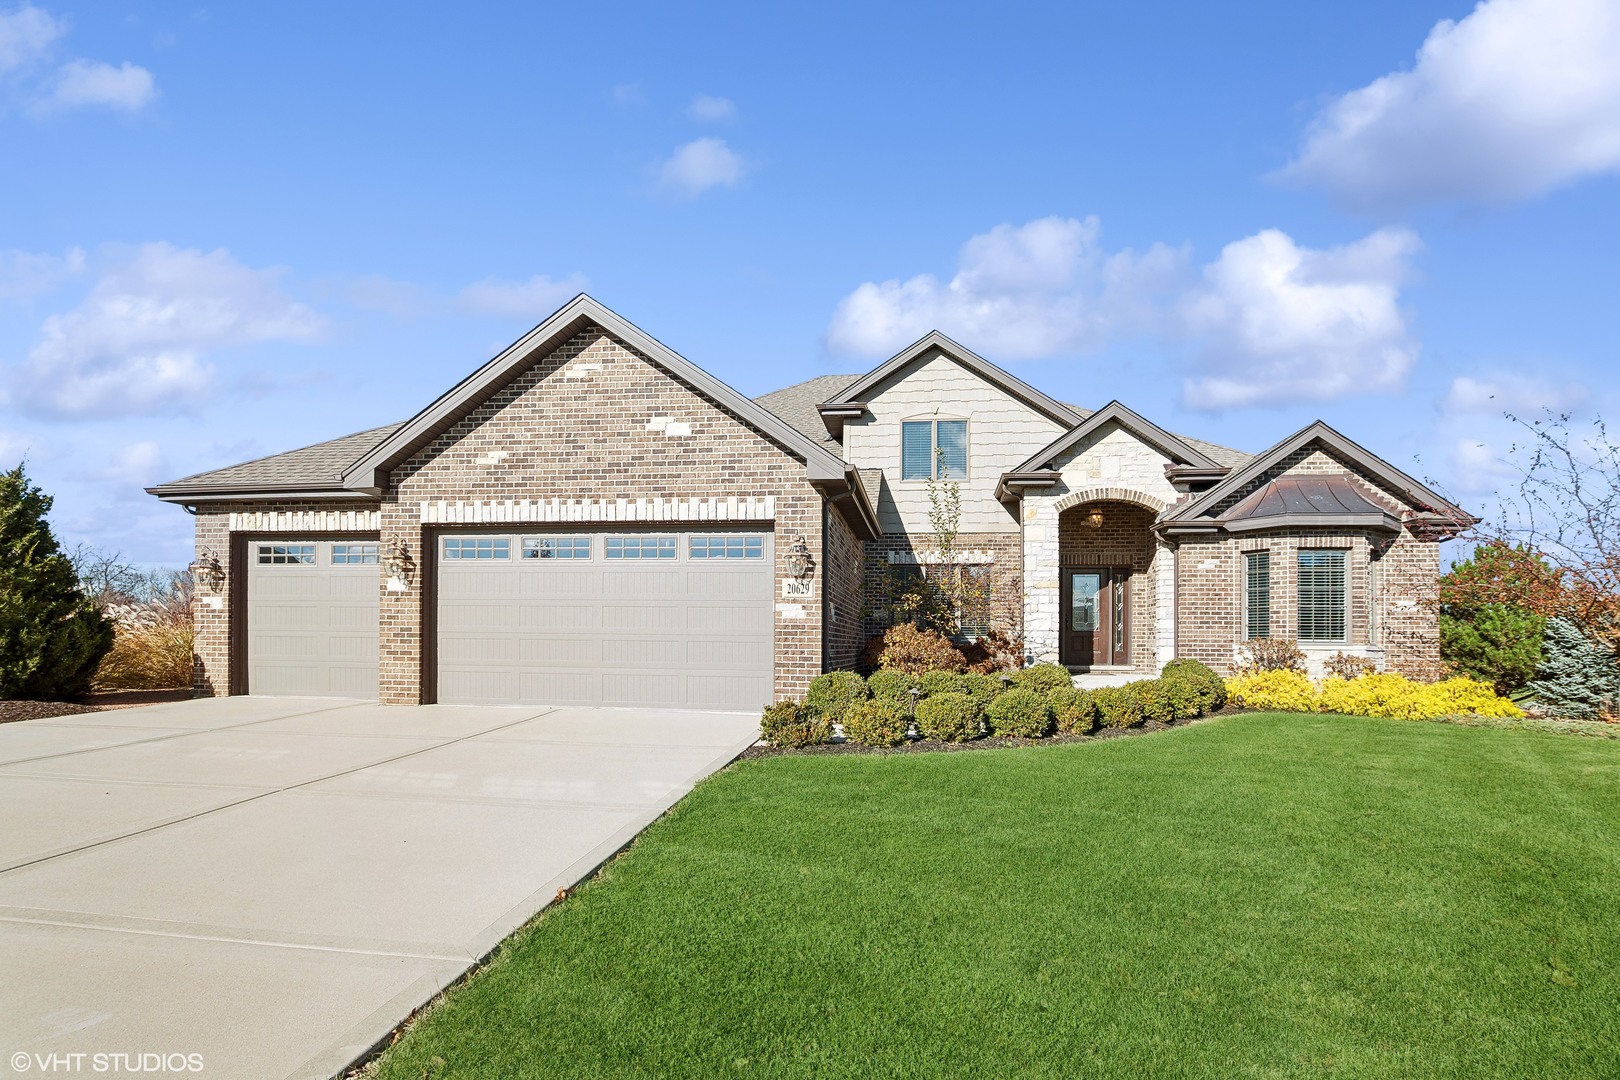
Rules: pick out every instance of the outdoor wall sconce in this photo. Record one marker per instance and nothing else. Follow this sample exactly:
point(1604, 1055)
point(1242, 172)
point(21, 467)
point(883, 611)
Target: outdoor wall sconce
point(206, 572)
point(798, 561)
point(399, 566)
point(1094, 518)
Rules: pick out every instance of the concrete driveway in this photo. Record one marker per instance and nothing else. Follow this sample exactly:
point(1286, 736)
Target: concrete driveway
point(274, 883)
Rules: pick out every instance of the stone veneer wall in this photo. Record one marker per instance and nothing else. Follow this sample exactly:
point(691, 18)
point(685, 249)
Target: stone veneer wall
point(597, 420)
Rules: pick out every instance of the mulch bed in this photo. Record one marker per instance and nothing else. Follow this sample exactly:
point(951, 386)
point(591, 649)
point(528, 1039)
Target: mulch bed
point(11, 711)
point(988, 742)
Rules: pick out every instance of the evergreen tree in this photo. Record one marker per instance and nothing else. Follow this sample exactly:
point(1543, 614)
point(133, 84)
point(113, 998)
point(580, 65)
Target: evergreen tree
point(51, 635)
point(1580, 678)
point(1496, 642)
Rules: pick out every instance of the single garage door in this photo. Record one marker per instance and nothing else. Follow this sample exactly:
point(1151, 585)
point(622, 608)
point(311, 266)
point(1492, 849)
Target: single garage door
point(672, 619)
point(312, 617)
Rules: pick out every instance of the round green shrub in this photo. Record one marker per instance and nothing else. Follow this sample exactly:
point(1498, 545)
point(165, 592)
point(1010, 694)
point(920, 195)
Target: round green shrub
point(789, 723)
point(1187, 697)
point(1155, 701)
point(888, 684)
point(1204, 676)
point(1073, 709)
point(831, 695)
point(1043, 678)
point(948, 717)
point(879, 722)
point(1117, 707)
point(1020, 713)
point(981, 688)
point(938, 682)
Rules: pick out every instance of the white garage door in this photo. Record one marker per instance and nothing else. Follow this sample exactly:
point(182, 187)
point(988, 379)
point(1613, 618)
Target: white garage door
point(312, 617)
point(672, 619)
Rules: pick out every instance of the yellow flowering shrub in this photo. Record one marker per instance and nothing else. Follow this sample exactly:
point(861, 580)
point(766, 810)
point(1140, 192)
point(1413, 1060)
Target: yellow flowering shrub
point(1284, 691)
point(1373, 695)
point(1457, 697)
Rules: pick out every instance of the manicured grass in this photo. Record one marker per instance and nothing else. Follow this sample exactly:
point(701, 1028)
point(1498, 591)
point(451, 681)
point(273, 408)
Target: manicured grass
point(1257, 896)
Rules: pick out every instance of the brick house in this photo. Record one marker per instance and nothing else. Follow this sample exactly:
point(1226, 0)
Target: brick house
point(590, 518)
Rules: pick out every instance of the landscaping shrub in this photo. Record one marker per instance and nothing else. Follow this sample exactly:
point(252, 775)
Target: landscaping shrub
point(790, 723)
point(1073, 710)
point(1579, 679)
point(1157, 702)
point(878, 722)
point(1043, 678)
point(1186, 695)
point(1117, 707)
point(831, 695)
point(886, 684)
point(981, 688)
point(153, 657)
point(1270, 654)
point(906, 648)
point(1020, 713)
point(949, 717)
point(1284, 690)
point(1346, 666)
point(939, 682)
point(1201, 675)
point(1400, 698)
point(995, 651)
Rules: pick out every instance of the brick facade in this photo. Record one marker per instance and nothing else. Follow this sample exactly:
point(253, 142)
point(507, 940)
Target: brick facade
point(1125, 540)
point(1001, 552)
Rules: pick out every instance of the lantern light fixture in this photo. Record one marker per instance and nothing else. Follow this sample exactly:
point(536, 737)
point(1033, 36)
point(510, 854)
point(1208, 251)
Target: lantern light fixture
point(798, 561)
point(398, 564)
point(206, 572)
point(1094, 518)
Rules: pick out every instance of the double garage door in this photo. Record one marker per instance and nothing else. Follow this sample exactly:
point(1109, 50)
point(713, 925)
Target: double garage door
point(671, 619)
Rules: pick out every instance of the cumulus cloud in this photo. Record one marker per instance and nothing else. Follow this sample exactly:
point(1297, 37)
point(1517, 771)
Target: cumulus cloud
point(25, 275)
point(26, 34)
point(90, 82)
point(1519, 98)
point(711, 109)
point(532, 299)
point(1275, 322)
point(138, 342)
point(1504, 392)
point(138, 465)
point(698, 166)
point(1019, 292)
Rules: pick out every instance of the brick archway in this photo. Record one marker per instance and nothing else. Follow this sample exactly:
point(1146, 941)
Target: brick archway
point(1109, 494)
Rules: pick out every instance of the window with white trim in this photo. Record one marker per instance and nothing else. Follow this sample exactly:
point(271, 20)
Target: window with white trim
point(477, 547)
point(1323, 606)
point(287, 554)
point(556, 547)
point(640, 547)
point(933, 450)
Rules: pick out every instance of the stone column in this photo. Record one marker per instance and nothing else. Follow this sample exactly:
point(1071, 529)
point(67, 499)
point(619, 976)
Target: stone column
point(1164, 623)
point(1042, 614)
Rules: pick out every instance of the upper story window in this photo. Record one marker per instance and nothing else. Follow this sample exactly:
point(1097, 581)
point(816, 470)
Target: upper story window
point(933, 450)
point(1322, 596)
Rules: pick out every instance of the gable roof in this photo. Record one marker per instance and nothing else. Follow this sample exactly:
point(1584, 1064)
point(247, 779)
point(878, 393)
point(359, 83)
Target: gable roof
point(1173, 446)
point(310, 470)
point(797, 405)
point(1006, 381)
point(1429, 504)
point(369, 471)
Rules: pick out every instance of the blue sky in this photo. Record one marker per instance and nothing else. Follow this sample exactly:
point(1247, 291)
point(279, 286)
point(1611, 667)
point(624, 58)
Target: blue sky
point(226, 232)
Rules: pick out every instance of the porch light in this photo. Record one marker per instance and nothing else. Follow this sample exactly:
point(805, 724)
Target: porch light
point(798, 561)
point(1094, 518)
point(206, 572)
point(399, 565)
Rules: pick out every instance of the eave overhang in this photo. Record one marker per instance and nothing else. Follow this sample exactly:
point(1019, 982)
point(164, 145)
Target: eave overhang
point(834, 413)
point(1012, 485)
point(258, 492)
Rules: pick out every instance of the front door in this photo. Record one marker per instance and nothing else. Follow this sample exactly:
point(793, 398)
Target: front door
point(1096, 616)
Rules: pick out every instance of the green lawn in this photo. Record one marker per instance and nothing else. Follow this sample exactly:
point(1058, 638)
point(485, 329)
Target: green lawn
point(1256, 896)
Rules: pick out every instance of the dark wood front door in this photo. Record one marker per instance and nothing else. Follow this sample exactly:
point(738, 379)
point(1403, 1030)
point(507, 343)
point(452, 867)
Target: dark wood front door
point(1096, 616)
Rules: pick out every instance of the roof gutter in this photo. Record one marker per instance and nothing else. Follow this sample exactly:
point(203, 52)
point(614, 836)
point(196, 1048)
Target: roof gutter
point(1012, 485)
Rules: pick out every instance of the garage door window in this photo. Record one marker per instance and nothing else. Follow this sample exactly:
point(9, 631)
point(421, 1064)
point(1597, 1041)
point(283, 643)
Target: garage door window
point(727, 547)
point(640, 547)
point(354, 554)
point(477, 547)
point(556, 547)
point(287, 554)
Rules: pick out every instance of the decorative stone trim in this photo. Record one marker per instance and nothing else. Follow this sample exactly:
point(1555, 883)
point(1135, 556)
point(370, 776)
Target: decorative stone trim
point(1110, 494)
point(494, 511)
point(283, 521)
point(932, 558)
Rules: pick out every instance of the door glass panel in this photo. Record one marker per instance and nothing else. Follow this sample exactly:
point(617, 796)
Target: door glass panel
point(1084, 593)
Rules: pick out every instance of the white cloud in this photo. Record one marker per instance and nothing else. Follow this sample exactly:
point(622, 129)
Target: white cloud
point(1517, 99)
point(90, 82)
point(700, 165)
point(26, 34)
point(711, 109)
point(138, 465)
point(25, 275)
point(1502, 392)
point(532, 299)
point(137, 342)
point(14, 447)
point(1020, 292)
point(1275, 322)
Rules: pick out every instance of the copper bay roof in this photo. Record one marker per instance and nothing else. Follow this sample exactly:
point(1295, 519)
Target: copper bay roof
point(1310, 500)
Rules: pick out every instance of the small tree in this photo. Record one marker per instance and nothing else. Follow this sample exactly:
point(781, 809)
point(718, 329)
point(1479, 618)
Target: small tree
point(1580, 678)
point(51, 635)
point(1498, 643)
